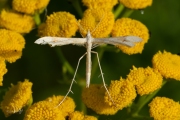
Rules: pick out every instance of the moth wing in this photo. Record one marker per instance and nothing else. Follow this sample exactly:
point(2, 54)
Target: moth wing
point(60, 41)
point(126, 40)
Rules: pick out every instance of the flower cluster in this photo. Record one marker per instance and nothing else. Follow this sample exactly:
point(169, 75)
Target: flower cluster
point(136, 4)
point(17, 97)
point(14, 23)
point(29, 6)
point(167, 64)
point(146, 80)
point(99, 18)
point(49, 109)
point(162, 108)
point(93, 97)
point(128, 26)
point(59, 24)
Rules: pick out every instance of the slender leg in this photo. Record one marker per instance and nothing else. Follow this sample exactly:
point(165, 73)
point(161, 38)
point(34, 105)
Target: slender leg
point(73, 80)
point(104, 84)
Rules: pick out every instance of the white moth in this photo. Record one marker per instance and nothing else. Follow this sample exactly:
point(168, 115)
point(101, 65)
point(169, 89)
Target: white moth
point(89, 42)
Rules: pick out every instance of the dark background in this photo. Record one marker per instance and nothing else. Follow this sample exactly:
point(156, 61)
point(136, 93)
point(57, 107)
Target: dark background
point(41, 65)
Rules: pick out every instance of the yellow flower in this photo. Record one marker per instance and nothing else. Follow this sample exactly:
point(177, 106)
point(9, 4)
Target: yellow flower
point(146, 80)
point(127, 26)
point(43, 110)
point(93, 97)
point(98, 21)
point(162, 108)
point(3, 69)
point(29, 6)
point(136, 4)
point(16, 98)
point(16, 22)
point(60, 24)
point(80, 116)
point(122, 92)
point(102, 4)
point(11, 45)
point(66, 107)
point(167, 64)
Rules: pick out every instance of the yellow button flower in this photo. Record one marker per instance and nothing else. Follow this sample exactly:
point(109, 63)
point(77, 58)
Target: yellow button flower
point(43, 110)
point(167, 64)
point(146, 80)
point(122, 92)
point(66, 107)
point(16, 22)
point(80, 116)
point(98, 21)
point(29, 6)
point(11, 45)
point(136, 4)
point(127, 26)
point(162, 108)
point(3, 69)
point(60, 24)
point(93, 97)
point(16, 98)
point(102, 4)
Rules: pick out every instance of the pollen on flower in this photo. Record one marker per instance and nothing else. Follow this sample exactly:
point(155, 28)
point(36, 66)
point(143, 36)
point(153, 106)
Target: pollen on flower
point(29, 6)
point(16, 22)
point(98, 21)
point(16, 97)
point(76, 115)
point(122, 92)
point(43, 110)
point(146, 80)
point(162, 108)
point(3, 69)
point(103, 4)
point(126, 27)
point(167, 64)
point(11, 45)
point(136, 4)
point(60, 24)
point(93, 97)
point(66, 107)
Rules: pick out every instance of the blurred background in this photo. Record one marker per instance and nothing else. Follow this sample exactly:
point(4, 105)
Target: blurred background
point(41, 65)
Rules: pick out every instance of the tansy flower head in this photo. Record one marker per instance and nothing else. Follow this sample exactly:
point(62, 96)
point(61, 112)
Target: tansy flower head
point(103, 4)
point(16, 22)
point(11, 45)
point(162, 108)
point(122, 93)
point(66, 107)
point(126, 27)
point(167, 64)
point(80, 116)
point(60, 24)
point(136, 4)
point(146, 80)
point(29, 6)
point(16, 98)
point(98, 21)
point(93, 97)
point(3, 69)
point(43, 110)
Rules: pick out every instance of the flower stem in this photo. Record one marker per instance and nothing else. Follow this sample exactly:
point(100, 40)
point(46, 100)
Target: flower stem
point(144, 100)
point(63, 60)
point(77, 6)
point(37, 19)
point(128, 12)
point(118, 10)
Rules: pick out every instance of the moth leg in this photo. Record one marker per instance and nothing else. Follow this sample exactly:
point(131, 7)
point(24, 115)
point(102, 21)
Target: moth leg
point(104, 84)
point(73, 80)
